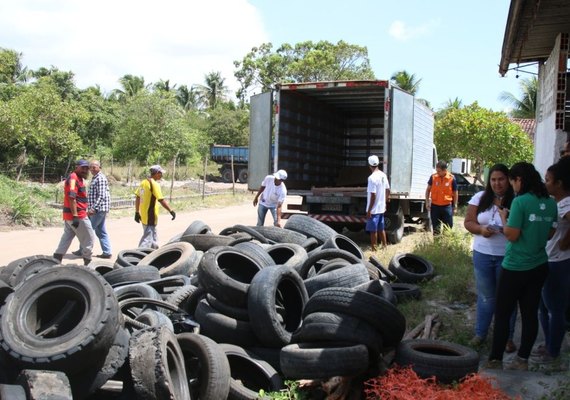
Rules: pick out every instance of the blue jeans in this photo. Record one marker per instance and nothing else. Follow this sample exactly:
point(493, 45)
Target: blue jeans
point(98, 223)
point(439, 215)
point(262, 211)
point(553, 305)
point(487, 269)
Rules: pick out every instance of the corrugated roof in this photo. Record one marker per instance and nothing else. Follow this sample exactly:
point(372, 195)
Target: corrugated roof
point(527, 124)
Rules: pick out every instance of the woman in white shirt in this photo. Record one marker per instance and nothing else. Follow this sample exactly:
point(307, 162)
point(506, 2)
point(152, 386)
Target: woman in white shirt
point(489, 243)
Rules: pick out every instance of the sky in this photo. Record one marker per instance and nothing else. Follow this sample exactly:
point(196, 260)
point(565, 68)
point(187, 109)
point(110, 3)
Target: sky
point(454, 47)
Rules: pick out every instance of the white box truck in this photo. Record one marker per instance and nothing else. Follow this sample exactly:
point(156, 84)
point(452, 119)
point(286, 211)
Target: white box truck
point(323, 133)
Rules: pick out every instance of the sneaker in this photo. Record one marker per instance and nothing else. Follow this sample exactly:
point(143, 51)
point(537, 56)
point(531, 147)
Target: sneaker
point(518, 364)
point(104, 255)
point(493, 364)
point(77, 253)
point(540, 350)
point(477, 341)
point(511, 347)
point(545, 359)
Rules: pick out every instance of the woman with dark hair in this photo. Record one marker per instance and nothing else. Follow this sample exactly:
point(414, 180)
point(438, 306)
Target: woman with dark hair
point(531, 222)
point(557, 284)
point(489, 243)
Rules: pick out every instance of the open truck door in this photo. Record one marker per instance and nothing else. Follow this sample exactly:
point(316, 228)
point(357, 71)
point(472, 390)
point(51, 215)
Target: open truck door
point(260, 129)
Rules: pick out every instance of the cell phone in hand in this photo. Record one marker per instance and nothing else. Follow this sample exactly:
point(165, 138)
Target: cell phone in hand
point(495, 228)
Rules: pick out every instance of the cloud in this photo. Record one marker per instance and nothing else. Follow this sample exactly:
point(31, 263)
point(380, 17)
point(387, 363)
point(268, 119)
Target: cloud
point(176, 40)
point(400, 31)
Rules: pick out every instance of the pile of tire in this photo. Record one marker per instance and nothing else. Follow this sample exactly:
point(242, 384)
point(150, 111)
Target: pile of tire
point(208, 316)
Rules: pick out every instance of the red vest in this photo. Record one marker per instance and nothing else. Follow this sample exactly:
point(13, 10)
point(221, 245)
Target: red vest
point(74, 188)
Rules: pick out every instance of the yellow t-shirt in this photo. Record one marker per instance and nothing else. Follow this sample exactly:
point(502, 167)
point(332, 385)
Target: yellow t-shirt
point(149, 193)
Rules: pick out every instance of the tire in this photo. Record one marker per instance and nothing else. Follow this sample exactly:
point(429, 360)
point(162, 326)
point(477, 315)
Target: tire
point(5, 291)
point(207, 367)
point(136, 290)
point(322, 360)
point(447, 361)
point(379, 288)
point(339, 328)
point(206, 242)
point(276, 286)
point(310, 227)
point(239, 313)
point(406, 291)
point(63, 318)
point(245, 229)
point(28, 266)
point(256, 252)
point(280, 235)
point(173, 259)
point(385, 273)
point(157, 365)
point(226, 274)
point(227, 175)
point(348, 276)
point(155, 319)
point(326, 254)
point(243, 175)
point(197, 228)
point(102, 266)
point(135, 274)
point(221, 328)
point(44, 385)
point(125, 257)
point(186, 298)
point(250, 374)
point(410, 268)
point(289, 254)
point(339, 241)
point(394, 223)
point(380, 313)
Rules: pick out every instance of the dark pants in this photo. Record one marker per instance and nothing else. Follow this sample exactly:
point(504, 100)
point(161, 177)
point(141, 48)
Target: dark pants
point(524, 288)
point(439, 215)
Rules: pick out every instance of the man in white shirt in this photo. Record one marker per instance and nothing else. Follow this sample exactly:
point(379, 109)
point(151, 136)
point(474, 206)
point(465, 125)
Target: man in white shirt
point(377, 196)
point(273, 193)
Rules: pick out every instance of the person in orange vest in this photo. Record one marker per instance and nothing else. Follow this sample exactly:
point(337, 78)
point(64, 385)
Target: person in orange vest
point(441, 197)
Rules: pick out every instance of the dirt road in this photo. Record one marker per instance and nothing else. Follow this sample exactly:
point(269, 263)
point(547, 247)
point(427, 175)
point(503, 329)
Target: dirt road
point(125, 232)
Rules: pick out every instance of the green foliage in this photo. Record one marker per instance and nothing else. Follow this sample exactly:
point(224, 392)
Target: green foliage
point(98, 129)
point(482, 135)
point(213, 92)
point(304, 62)
point(524, 107)
point(406, 81)
point(152, 128)
point(228, 126)
point(291, 392)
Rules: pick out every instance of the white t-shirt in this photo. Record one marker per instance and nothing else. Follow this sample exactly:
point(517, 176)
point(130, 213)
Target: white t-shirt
point(272, 195)
point(495, 244)
point(552, 249)
point(377, 183)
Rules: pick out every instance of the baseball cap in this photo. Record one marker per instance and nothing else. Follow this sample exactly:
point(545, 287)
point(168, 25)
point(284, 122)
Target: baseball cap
point(156, 169)
point(281, 175)
point(373, 161)
point(82, 163)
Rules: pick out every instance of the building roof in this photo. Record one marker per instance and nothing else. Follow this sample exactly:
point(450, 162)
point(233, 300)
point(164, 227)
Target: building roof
point(532, 27)
point(527, 124)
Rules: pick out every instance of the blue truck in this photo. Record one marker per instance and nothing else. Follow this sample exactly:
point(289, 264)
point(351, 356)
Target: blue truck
point(222, 155)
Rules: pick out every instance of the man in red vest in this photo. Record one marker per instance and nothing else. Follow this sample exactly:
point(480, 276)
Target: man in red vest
point(441, 197)
point(76, 221)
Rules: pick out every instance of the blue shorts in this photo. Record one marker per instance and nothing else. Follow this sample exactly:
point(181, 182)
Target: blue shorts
point(375, 223)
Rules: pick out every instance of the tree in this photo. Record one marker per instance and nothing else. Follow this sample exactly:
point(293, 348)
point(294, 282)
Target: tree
point(304, 62)
point(454, 104)
point(406, 81)
point(11, 69)
point(482, 135)
point(152, 129)
point(164, 86)
point(188, 98)
point(524, 107)
point(227, 126)
point(213, 91)
point(131, 85)
point(98, 129)
point(62, 80)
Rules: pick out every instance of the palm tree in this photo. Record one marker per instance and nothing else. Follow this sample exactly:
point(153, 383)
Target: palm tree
point(164, 86)
point(525, 107)
point(131, 85)
point(187, 98)
point(213, 91)
point(406, 82)
point(11, 69)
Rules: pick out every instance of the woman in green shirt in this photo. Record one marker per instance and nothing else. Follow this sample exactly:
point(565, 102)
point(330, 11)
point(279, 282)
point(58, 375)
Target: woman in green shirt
point(528, 225)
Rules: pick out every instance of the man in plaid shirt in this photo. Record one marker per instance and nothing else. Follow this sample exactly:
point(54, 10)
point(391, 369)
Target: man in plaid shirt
point(99, 199)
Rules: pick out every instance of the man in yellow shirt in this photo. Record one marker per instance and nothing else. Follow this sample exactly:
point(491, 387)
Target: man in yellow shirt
point(148, 196)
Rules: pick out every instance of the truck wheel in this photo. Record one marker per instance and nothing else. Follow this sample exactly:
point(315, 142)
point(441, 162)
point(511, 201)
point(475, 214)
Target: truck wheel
point(227, 175)
point(243, 175)
point(394, 224)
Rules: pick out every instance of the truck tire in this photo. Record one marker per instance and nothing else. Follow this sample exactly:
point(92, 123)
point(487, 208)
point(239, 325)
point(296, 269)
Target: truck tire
point(227, 175)
point(63, 318)
point(394, 224)
point(243, 175)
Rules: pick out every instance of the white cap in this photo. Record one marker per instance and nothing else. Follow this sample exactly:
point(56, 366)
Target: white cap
point(281, 175)
point(156, 169)
point(373, 161)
